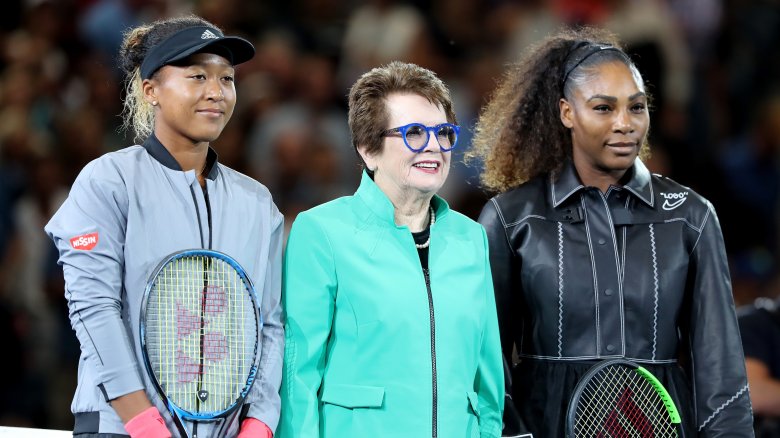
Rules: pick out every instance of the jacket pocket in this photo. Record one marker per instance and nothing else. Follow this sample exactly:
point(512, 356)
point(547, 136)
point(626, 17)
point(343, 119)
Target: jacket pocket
point(353, 396)
point(473, 402)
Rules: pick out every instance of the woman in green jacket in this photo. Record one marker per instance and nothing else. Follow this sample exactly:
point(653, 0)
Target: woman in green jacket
point(391, 324)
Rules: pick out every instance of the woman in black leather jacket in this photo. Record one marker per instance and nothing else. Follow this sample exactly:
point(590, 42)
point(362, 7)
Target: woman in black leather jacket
point(594, 257)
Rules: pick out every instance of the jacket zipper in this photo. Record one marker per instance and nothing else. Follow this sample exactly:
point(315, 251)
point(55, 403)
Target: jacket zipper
point(205, 283)
point(197, 213)
point(427, 275)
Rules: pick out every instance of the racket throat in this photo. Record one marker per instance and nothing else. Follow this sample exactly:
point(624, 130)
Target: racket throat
point(202, 395)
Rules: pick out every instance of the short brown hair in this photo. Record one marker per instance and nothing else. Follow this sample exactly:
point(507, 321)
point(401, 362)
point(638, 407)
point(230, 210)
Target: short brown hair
point(368, 114)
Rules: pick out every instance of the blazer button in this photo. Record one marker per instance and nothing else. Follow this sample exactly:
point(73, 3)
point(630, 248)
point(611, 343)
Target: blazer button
point(608, 292)
point(602, 241)
point(610, 348)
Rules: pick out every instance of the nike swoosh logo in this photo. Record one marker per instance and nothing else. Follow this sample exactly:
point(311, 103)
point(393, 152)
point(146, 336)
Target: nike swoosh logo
point(672, 205)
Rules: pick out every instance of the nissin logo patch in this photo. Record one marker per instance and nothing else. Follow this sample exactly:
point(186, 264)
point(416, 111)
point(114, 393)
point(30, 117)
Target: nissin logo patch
point(85, 241)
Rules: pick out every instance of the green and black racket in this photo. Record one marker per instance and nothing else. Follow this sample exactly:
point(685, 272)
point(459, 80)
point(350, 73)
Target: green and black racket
point(620, 399)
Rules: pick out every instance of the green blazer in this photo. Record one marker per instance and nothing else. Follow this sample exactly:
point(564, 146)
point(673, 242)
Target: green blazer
point(359, 358)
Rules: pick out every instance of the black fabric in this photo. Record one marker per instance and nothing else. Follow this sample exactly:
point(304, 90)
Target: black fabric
point(655, 290)
point(86, 422)
point(540, 386)
point(419, 239)
point(582, 51)
point(760, 333)
point(513, 424)
point(759, 326)
point(103, 391)
point(100, 435)
point(195, 40)
point(161, 154)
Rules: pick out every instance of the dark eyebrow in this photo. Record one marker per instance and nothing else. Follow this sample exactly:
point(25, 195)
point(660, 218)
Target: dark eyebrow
point(613, 99)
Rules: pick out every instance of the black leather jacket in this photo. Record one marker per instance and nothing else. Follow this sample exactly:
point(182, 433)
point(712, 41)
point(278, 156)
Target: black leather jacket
point(639, 272)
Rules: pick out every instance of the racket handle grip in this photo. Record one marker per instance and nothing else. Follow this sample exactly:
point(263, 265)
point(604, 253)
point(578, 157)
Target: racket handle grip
point(148, 424)
point(254, 428)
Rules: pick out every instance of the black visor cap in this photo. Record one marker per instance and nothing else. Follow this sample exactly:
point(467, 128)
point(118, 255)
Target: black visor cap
point(199, 39)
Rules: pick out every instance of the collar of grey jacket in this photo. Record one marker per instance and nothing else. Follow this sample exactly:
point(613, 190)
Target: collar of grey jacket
point(161, 154)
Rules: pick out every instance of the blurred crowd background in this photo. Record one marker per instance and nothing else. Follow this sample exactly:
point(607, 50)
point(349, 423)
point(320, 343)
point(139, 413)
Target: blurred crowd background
point(713, 68)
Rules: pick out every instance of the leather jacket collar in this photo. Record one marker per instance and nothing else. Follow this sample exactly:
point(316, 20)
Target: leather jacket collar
point(568, 183)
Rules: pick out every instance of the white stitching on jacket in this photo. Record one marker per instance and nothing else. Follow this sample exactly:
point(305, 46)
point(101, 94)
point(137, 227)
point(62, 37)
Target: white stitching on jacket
point(723, 406)
point(560, 289)
point(701, 230)
point(534, 216)
point(655, 287)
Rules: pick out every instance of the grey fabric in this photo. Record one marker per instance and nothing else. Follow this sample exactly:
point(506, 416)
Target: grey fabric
point(134, 209)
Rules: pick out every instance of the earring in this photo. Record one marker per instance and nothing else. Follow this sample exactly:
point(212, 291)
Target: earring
point(154, 103)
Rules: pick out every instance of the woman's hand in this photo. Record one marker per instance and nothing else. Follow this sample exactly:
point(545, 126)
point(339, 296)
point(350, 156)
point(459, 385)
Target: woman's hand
point(147, 424)
point(254, 428)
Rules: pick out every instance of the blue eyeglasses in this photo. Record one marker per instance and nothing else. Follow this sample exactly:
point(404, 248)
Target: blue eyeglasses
point(416, 135)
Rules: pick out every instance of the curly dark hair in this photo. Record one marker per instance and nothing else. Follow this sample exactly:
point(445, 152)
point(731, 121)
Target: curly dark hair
point(519, 134)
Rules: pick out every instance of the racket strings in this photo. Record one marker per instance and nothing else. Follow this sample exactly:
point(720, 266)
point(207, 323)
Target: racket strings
point(183, 310)
point(619, 403)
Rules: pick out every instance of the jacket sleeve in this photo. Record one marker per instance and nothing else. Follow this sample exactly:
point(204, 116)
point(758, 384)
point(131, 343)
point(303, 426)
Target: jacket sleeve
point(501, 265)
point(264, 397)
point(489, 382)
point(718, 366)
point(309, 294)
point(504, 267)
point(96, 208)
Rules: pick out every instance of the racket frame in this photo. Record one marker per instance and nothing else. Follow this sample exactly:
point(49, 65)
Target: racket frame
point(666, 398)
point(176, 412)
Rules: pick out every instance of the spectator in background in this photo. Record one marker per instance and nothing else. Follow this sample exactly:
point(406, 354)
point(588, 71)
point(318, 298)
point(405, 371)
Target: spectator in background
point(759, 326)
point(378, 32)
point(750, 168)
point(296, 144)
point(26, 276)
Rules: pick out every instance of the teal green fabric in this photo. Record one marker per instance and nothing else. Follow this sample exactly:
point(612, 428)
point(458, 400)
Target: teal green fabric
point(358, 359)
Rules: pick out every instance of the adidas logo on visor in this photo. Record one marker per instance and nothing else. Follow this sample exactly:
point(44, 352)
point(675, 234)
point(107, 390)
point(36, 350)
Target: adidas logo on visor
point(208, 35)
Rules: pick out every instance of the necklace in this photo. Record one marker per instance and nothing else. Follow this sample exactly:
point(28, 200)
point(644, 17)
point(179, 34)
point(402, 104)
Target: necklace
point(428, 242)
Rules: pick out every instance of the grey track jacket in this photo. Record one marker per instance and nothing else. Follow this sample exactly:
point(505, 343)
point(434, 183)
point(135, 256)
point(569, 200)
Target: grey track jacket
point(126, 211)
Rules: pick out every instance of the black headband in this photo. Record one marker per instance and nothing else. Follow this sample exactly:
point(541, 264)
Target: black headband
point(582, 51)
point(194, 40)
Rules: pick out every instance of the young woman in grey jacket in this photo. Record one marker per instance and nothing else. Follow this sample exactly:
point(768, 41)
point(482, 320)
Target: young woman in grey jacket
point(129, 209)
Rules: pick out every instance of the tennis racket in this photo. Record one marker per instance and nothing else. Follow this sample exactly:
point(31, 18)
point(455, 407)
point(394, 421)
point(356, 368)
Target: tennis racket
point(620, 399)
point(200, 327)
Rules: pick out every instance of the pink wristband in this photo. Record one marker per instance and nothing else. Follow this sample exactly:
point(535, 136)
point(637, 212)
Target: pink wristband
point(147, 424)
point(254, 428)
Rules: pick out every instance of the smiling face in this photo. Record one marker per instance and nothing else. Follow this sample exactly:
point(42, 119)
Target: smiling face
point(608, 118)
point(193, 100)
point(400, 173)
